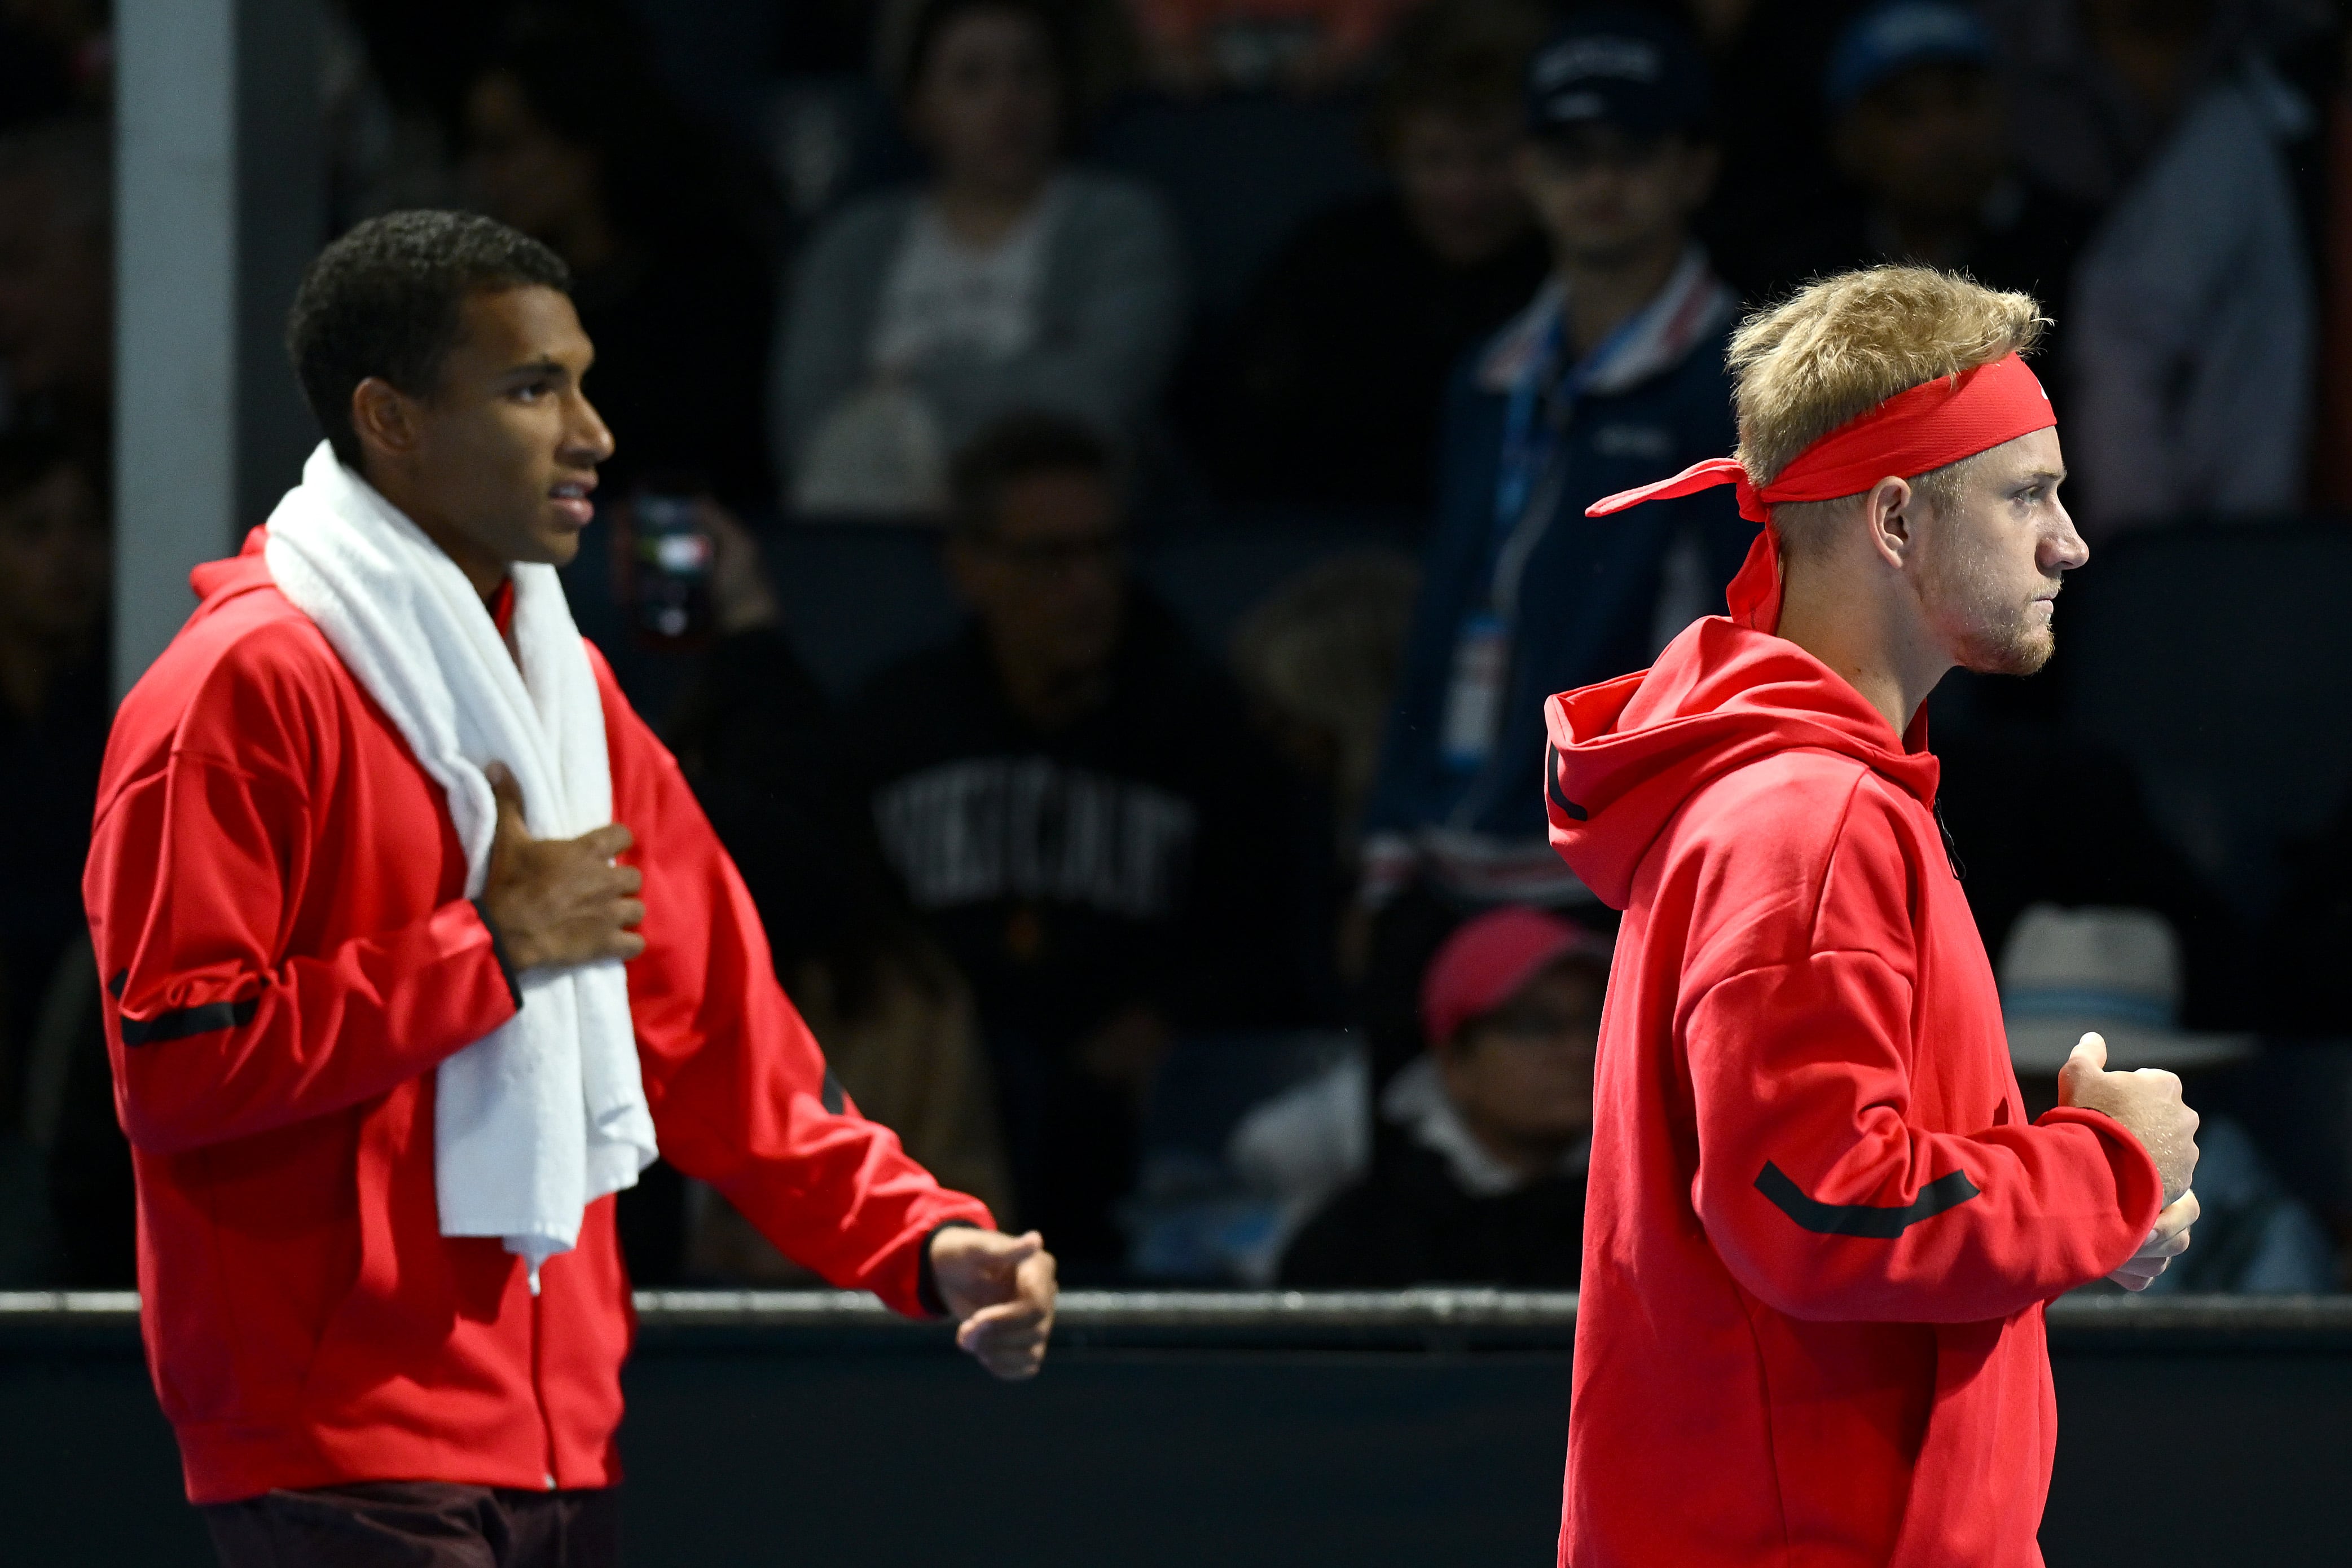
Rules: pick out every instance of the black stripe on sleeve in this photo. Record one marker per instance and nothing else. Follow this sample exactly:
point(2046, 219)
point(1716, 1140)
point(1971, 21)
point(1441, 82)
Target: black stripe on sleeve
point(831, 1096)
point(1861, 1219)
point(499, 951)
point(182, 1022)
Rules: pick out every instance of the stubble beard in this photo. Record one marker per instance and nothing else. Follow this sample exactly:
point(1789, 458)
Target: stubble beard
point(2017, 645)
point(1989, 629)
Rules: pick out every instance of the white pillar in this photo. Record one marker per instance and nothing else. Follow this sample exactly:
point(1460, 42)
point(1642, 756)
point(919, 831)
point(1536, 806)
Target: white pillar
point(175, 311)
point(219, 199)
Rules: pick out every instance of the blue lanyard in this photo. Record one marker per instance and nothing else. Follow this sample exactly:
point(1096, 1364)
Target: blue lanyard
point(1529, 444)
point(1527, 451)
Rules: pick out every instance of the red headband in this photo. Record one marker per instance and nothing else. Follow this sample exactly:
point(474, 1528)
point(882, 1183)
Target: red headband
point(1914, 431)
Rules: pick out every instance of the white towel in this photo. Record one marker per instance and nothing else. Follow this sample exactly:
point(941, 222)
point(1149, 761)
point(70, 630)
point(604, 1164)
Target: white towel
point(547, 1113)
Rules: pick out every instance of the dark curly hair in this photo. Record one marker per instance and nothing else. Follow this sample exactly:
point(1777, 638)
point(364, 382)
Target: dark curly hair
point(383, 300)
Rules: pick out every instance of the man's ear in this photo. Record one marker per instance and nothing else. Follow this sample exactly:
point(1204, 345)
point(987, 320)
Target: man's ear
point(1891, 511)
point(384, 419)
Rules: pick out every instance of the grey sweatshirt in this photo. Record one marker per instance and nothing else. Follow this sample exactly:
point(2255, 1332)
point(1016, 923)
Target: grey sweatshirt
point(1110, 313)
point(2191, 341)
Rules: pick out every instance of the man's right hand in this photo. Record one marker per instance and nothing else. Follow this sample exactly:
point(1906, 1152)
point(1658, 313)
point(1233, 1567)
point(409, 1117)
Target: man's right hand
point(559, 901)
point(2147, 1103)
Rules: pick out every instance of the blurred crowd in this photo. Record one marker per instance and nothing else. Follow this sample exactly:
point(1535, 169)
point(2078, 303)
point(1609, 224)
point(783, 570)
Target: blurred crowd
point(1139, 450)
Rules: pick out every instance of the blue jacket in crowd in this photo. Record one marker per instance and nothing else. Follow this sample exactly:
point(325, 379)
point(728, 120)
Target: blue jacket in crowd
point(1522, 596)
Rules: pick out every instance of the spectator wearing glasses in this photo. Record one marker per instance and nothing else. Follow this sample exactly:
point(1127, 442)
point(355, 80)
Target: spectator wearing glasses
point(1478, 1160)
point(1075, 801)
point(1007, 281)
point(765, 752)
point(1613, 377)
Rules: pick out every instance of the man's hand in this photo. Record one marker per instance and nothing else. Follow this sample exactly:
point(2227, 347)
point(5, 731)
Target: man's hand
point(1001, 1289)
point(559, 901)
point(2147, 1103)
point(2169, 1240)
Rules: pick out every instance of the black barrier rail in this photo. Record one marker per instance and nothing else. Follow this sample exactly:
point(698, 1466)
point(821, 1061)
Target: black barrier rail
point(1251, 1429)
point(1434, 1319)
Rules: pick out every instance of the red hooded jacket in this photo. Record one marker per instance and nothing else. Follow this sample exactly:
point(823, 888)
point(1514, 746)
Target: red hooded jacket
point(275, 895)
point(1820, 1231)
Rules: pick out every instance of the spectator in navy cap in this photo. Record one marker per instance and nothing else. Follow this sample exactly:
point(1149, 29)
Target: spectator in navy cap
point(1621, 67)
point(1613, 377)
point(1919, 133)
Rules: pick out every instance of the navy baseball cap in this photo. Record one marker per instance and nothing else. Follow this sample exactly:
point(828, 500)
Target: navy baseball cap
point(1619, 66)
point(1886, 40)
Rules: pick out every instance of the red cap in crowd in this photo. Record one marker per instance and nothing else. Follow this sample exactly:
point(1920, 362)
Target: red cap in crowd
point(1485, 963)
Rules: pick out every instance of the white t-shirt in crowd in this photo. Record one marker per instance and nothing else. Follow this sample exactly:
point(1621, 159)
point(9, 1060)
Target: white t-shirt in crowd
point(944, 292)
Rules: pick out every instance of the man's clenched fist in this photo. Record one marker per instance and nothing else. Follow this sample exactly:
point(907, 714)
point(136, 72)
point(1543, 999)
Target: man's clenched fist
point(2147, 1102)
point(1001, 1291)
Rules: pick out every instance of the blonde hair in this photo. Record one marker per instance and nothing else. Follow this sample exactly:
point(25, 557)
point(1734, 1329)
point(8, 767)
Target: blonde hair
point(1841, 346)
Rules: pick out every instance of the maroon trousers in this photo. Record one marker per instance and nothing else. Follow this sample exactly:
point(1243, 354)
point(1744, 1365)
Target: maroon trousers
point(419, 1524)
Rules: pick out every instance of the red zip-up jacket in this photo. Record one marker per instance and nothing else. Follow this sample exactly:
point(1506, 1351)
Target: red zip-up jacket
point(1820, 1230)
point(276, 893)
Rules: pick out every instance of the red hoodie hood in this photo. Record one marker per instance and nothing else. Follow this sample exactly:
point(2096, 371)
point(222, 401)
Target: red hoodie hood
point(1626, 754)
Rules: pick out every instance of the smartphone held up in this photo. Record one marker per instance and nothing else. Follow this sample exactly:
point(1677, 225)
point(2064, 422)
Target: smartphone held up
point(667, 554)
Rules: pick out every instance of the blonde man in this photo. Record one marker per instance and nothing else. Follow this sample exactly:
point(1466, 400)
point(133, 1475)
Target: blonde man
point(1822, 1228)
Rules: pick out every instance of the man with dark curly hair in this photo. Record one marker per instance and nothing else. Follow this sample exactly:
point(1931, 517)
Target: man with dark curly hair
point(417, 948)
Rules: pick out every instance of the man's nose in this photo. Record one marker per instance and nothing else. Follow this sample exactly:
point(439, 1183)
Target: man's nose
point(2066, 549)
point(587, 435)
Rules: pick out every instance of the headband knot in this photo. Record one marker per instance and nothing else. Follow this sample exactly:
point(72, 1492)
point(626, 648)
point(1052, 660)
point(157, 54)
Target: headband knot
point(1914, 431)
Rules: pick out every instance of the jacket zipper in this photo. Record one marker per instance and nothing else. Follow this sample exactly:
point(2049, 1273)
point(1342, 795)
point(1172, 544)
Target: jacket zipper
point(1951, 845)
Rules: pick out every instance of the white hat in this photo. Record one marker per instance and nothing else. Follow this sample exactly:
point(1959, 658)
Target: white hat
point(2066, 972)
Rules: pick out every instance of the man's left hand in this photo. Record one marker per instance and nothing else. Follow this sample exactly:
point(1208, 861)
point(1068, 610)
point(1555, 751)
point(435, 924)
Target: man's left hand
point(1000, 1289)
